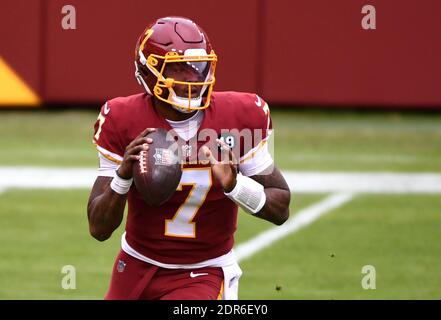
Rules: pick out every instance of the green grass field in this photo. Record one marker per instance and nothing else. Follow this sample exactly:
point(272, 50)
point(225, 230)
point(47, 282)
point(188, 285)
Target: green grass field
point(323, 141)
point(43, 230)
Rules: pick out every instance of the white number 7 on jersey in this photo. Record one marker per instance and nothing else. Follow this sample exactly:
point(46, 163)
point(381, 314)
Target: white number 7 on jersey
point(181, 225)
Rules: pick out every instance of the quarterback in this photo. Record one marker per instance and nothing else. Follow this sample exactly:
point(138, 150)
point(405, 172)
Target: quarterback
point(182, 249)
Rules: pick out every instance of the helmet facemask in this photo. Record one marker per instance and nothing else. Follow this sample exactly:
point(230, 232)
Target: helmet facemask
point(185, 81)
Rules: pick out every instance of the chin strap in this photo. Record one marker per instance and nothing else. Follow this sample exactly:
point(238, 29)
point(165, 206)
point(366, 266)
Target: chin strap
point(140, 79)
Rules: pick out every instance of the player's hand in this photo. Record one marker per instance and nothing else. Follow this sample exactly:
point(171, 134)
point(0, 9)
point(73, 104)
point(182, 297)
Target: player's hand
point(131, 154)
point(226, 170)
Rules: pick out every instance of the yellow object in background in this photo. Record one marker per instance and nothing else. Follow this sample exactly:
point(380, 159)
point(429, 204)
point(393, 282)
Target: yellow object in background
point(13, 90)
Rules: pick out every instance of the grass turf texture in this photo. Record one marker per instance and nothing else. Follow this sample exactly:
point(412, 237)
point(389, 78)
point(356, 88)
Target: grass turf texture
point(49, 230)
point(43, 230)
point(398, 235)
point(323, 141)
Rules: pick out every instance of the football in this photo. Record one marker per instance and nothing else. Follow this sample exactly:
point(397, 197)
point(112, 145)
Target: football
point(158, 172)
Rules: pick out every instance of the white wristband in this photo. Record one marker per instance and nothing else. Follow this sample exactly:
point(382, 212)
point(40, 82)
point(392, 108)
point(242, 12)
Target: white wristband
point(248, 194)
point(120, 185)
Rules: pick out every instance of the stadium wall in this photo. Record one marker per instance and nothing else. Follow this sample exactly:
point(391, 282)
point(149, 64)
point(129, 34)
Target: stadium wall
point(291, 52)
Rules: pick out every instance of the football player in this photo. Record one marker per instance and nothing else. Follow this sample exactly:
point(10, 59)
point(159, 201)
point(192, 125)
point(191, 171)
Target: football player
point(182, 249)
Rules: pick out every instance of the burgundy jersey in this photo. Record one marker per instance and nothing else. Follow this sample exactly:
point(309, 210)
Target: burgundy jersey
point(199, 221)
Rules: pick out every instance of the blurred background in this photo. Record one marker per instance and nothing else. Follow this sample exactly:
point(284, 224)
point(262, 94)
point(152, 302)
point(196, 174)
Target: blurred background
point(354, 89)
point(291, 52)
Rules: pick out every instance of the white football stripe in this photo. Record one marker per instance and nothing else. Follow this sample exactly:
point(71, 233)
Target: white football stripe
point(303, 218)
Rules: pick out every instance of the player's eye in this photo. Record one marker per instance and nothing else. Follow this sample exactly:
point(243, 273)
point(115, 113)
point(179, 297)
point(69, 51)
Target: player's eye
point(180, 70)
point(198, 67)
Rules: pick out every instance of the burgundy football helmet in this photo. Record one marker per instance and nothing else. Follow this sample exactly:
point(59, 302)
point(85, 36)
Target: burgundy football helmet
point(175, 62)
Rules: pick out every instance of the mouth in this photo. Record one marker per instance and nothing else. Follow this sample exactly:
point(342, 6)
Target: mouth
point(184, 94)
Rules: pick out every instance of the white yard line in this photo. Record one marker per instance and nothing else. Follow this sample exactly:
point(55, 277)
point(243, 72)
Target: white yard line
point(299, 182)
point(301, 219)
point(33, 177)
point(363, 182)
point(343, 185)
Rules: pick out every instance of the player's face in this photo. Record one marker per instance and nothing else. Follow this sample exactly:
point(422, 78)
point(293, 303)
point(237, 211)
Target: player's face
point(187, 72)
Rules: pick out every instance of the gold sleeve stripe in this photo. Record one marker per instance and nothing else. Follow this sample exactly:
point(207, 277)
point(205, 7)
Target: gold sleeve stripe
point(250, 156)
point(221, 292)
point(110, 157)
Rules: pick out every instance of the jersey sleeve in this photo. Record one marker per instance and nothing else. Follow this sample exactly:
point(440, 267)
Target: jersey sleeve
point(106, 137)
point(107, 167)
point(256, 159)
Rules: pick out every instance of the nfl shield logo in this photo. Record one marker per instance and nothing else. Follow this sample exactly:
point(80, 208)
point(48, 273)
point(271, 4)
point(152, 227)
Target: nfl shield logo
point(163, 157)
point(121, 266)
